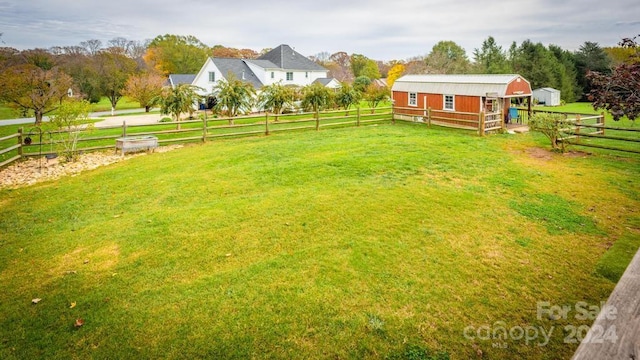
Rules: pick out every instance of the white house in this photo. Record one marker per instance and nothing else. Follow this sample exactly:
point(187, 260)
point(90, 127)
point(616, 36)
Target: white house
point(282, 64)
point(547, 96)
point(331, 83)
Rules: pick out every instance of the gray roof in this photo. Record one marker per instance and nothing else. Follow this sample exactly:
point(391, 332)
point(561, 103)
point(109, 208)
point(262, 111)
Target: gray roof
point(265, 64)
point(284, 57)
point(179, 79)
point(547, 89)
point(238, 68)
point(324, 81)
point(472, 85)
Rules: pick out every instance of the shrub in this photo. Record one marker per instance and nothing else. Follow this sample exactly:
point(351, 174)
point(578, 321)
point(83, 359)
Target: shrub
point(550, 125)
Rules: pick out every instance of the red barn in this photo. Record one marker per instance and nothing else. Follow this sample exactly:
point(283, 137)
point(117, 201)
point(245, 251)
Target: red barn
point(479, 102)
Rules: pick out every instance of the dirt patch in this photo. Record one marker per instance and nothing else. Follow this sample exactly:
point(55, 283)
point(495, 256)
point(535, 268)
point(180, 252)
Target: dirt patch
point(34, 170)
point(546, 155)
point(540, 153)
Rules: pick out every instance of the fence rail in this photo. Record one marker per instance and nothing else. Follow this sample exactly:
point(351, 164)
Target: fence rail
point(579, 133)
point(480, 122)
point(13, 147)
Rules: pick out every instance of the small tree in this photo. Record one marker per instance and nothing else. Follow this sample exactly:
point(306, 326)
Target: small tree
point(276, 97)
point(177, 100)
point(69, 122)
point(143, 88)
point(347, 96)
point(619, 92)
point(551, 126)
point(28, 87)
point(374, 95)
point(315, 97)
point(361, 83)
point(234, 96)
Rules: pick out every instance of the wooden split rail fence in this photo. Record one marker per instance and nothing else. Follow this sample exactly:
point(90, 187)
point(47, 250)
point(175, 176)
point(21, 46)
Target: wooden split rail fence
point(481, 122)
point(14, 147)
point(591, 131)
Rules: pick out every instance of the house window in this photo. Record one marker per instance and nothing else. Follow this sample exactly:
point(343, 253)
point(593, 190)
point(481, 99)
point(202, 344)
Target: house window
point(212, 76)
point(449, 102)
point(289, 76)
point(273, 75)
point(413, 99)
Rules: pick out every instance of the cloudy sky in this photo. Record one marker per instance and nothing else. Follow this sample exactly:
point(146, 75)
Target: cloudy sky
point(382, 30)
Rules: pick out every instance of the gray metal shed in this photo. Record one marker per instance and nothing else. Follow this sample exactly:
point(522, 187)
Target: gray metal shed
point(547, 96)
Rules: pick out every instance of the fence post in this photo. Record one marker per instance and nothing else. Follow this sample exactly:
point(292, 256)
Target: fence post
point(424, 108)
point(429, 116)
point(481, 123)
point(204, 128)
point(317, 119)
point(20, 140)
point(266, 123)
point(358, 116)
point(124, 128)
point(577, 127)
point(602, 118)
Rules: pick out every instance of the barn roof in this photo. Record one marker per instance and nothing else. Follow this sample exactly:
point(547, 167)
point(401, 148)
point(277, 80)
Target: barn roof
point(547, 89)
point(471, 85)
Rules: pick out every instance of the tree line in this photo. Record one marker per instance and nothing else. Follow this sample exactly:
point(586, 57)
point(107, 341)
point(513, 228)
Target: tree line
point(35, 81)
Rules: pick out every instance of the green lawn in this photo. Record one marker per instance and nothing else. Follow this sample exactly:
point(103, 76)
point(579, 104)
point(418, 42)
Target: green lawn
point(384, 241)
point(104, 105)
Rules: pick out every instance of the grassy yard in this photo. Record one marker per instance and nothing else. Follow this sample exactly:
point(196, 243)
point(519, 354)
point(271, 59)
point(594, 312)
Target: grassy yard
point(374, 242)
point(104, 105)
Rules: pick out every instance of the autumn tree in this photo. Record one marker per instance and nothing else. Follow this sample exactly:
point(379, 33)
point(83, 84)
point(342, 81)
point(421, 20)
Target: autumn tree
point(339, 66)
point(447, 57)
point(395, 72)
point(143, 88)
point(113, 71)
point(27, 87)
point(220, 51)
point(619, 91)
point(176, 54)
point(416, 65)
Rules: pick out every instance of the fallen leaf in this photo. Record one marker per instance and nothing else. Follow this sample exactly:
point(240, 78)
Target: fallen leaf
point(36, 300)
point(86, 261)
point(73, 304)
point(228, 255)
point(79, 322)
